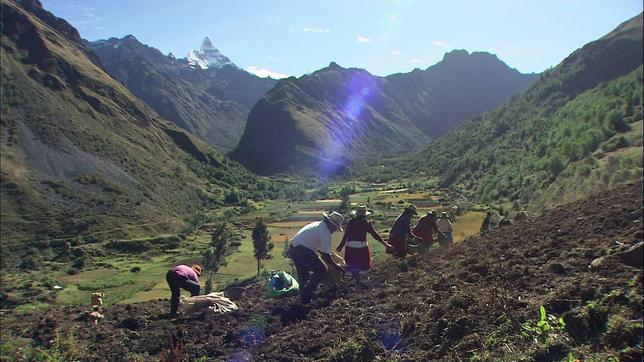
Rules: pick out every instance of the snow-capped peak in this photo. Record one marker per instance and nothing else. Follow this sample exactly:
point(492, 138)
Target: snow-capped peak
point(207, 44)
point(207, 57)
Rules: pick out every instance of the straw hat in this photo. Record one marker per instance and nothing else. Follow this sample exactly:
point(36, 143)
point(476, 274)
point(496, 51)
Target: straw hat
point(197, 269)
point(412, 208)
point(335, 218)
point(361, 210)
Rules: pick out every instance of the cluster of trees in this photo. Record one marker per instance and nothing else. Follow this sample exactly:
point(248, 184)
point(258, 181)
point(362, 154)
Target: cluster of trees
point(222, 242)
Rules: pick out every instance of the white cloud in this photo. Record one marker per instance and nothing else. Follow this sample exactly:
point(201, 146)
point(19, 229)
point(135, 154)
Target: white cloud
point(86, 18)
point(363, 39)
point(80, 7)
point(440, 43)
point(396, 52)
point(263, 72)
point(311, 29)
point(415, 60)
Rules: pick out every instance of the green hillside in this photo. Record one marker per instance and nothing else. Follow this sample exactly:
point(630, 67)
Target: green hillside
point(82, 155)
point(578, 129)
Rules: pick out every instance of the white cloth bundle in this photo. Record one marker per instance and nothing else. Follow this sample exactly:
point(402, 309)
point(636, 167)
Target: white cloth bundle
point(213, 303)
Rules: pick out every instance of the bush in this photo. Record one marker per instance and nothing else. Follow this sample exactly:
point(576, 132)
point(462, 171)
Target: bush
point(79, 262)
point(615, 120)
point(615, 144)
point(30, 262)
point(232, 198)
point(553, 164)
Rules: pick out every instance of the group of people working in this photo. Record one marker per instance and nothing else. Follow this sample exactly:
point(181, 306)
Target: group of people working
point(315, 239)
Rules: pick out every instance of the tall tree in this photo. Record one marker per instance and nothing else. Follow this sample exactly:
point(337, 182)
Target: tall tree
point(261, 243)
point(344, 199)
point(215, 255)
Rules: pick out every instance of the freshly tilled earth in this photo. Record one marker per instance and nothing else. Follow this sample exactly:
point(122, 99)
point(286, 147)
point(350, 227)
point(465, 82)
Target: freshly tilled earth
point(468, 301)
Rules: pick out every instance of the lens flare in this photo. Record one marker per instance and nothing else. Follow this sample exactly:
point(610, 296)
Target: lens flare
point(345, 126)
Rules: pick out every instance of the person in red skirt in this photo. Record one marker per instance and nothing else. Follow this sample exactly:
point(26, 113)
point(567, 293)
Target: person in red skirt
point(357, 254)
point(425, 228)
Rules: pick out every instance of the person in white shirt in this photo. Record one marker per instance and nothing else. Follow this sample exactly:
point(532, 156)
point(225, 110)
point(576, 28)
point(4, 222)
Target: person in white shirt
point(312, 238)
point(445, 226)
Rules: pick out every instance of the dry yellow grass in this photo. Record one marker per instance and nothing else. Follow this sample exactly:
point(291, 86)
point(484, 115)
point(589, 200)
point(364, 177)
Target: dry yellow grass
point(310, 212)
point(283, 234)
point(467, 224)
point(288, 224)
point(415, 197)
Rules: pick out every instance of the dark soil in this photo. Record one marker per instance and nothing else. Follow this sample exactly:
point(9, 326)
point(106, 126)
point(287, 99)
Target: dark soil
point(461, 302)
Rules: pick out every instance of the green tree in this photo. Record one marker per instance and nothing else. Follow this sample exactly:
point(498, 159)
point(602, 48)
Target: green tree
point(261, 243)
point(344, 200)
point(232, 197)
point(215, 255)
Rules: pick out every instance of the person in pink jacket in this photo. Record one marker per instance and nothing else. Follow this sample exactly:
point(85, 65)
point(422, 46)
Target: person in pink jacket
point(182, 276)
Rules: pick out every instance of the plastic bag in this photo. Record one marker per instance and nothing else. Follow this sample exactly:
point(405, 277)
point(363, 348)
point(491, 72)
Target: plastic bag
point(281, 284)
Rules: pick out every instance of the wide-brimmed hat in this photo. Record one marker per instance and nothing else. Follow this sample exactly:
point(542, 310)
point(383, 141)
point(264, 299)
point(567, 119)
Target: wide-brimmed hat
point(412, 208)
point(361, 210)
point(335, 218)
point(197, 269)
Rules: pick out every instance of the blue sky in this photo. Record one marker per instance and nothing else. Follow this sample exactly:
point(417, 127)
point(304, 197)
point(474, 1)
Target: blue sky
point(281, 37)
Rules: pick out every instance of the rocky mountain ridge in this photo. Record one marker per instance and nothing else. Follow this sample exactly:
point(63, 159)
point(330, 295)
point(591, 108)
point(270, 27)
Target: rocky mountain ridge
point(211, 102)
point(335, 117)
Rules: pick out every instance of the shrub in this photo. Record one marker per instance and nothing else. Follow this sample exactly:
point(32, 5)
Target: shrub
point(79, 262)
point(30, 262)
point(615, 120)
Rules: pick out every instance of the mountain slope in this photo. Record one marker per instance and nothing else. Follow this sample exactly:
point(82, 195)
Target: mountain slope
point(334, 117)
point(468, 301)
point(458, 87)
point(80, 153)
point(212, 103)
point(577, 129)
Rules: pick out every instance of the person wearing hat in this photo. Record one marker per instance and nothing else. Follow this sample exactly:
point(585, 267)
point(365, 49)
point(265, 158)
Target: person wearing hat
point(182, 277)
point(312, 238)
point(401, 230)
point(445, 227)
point(357, 253)
point(425, 228)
